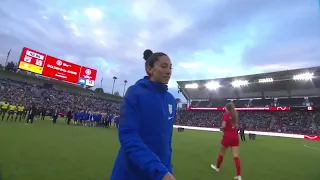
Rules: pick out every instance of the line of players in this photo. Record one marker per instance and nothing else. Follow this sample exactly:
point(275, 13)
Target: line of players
point(10, 110)
point(79, 118)
point(93, 119)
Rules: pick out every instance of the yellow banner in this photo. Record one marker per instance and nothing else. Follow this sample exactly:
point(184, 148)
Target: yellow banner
point(30, 67)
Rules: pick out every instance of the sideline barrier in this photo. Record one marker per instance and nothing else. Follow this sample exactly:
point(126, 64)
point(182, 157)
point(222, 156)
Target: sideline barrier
point(297, 136)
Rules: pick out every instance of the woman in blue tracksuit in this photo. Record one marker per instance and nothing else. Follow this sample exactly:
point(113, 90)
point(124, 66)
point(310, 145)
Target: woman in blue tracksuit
point(147, 114)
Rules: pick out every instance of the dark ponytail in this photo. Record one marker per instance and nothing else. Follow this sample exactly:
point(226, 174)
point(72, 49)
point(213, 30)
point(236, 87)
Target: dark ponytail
point(234, 114)
point(146, 54)
point(151, 58)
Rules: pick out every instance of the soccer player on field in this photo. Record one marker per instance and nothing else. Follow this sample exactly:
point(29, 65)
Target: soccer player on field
point(75, 117)
point(147, 114)
point(12, 108)
point(4, 109)
point(19, 113)
point(99, 119)
point(81, 117)
point(230, 138)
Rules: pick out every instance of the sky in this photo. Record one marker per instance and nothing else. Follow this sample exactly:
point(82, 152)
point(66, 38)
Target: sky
point(204, 39)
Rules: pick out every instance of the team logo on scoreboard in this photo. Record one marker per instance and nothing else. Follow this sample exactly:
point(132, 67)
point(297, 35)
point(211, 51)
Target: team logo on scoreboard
point(27, 59)
point(88, 72)
point(59, 63)
point(82, 81)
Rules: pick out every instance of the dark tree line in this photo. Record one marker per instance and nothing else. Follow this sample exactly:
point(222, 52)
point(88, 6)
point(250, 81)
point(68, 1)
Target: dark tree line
point(11, 66)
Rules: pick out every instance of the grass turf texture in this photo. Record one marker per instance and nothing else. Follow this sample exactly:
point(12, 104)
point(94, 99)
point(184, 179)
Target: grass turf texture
point(49, 152)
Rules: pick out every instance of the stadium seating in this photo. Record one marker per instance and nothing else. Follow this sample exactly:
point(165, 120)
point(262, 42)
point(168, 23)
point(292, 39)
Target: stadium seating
point(286, 122)
point(21, 93)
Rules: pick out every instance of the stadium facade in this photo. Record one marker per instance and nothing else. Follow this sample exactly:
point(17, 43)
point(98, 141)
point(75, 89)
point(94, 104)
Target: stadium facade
point(298, 83)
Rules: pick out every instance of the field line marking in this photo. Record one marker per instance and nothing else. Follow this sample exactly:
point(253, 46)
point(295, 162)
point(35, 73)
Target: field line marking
point(309, 147)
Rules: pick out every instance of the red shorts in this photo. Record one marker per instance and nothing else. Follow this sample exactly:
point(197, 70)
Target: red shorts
point(230, 142)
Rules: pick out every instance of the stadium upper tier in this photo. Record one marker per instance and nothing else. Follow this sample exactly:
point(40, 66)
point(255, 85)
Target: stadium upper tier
point(292, 83)
point(313, 101)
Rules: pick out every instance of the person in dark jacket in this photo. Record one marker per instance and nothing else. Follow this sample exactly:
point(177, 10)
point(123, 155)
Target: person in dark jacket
point(147, 115)
point(69, 116)
point(43, 113)
point(32, 114)
point(55, 116)
point(242, 135)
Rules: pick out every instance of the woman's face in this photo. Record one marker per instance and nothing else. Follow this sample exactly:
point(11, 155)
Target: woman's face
point(161, 71)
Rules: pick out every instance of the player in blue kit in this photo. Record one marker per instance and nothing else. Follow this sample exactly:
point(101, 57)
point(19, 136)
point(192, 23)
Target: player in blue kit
point(75, 117)
point(86, 118)
point(99, 119)
point(147, 115)
point(82, 117)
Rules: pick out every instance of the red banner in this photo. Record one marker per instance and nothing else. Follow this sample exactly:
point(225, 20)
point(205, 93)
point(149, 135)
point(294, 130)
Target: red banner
point(52, 67)
point(243, 109)
point(283, 108)
point(60, 69)
point(312, 137)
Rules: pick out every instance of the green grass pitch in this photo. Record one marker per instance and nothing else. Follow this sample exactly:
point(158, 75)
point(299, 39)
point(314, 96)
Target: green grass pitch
point(44, 151)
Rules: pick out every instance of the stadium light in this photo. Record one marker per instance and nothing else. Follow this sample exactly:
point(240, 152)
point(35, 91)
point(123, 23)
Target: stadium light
point(266, 80)
point(191, 86)
point(213, 85)
point(304, 76)
point(238, 83)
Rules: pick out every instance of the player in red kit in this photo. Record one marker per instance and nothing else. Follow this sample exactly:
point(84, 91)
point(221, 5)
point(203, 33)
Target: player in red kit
point(230, 138)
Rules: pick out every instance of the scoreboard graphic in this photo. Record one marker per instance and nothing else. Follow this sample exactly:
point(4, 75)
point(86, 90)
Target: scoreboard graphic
point(40, 63)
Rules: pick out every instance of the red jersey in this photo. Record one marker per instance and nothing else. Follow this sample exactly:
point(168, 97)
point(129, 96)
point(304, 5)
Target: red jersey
point(230, 131)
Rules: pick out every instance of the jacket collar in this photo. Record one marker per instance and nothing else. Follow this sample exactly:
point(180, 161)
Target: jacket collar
point(155, 86)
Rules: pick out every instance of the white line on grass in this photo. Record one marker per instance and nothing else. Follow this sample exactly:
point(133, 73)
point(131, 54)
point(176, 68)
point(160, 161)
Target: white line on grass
point(309, 147)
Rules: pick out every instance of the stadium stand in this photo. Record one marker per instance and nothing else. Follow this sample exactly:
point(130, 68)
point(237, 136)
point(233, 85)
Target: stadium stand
point(25, 93)
point(56, 84)
point(289, 101)
point(286, 122)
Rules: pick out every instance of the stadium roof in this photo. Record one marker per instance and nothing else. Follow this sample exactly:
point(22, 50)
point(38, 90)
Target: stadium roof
point(290, 83)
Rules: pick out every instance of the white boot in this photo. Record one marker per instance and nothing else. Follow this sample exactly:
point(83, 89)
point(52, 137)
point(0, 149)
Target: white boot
point(215, 167)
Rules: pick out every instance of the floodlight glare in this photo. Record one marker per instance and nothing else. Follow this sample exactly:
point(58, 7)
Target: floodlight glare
point(191, 86)
point(213, 85)
point(238, 83)
point(304, 76)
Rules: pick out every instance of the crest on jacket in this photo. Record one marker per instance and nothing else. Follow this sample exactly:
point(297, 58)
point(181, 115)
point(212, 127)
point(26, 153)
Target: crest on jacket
point(170, 108)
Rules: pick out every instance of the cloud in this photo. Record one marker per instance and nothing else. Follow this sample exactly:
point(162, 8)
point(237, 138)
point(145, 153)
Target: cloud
point(94, 14)
point(204, 39)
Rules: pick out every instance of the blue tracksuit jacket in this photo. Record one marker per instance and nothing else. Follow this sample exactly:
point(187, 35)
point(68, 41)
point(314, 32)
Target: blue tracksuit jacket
point(147, 115)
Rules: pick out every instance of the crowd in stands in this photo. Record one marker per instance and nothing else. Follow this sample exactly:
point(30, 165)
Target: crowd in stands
point(50, 99)
point(286, 122)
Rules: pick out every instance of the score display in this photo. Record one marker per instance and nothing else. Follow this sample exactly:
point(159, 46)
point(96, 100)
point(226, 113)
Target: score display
point(40, 63)
point(32, 61)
